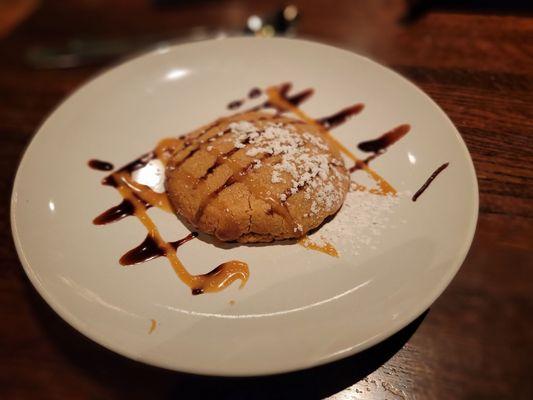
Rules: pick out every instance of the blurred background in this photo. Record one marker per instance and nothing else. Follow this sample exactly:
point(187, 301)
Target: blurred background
point(474, 58)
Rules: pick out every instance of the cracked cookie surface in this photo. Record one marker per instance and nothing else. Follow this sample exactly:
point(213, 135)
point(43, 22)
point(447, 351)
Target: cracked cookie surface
point(256, 177)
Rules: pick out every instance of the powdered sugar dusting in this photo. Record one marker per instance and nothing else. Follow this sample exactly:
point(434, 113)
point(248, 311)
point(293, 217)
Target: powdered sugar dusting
point(361, 220)
point(304, 157)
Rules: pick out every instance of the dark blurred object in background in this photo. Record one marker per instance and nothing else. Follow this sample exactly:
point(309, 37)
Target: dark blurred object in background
point(77, 52)
point(417, 8)
point(281, 22)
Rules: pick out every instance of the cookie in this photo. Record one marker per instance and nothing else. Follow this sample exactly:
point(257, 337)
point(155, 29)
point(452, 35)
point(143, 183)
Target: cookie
point(256, 177)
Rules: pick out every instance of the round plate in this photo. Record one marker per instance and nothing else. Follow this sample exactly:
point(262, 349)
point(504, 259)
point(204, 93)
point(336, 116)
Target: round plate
point(300, 308)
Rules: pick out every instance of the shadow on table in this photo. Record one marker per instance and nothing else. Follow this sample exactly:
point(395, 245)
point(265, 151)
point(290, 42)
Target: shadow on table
point(136, 380)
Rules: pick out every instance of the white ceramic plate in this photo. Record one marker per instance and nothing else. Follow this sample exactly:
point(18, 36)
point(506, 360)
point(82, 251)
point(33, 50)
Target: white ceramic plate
point(300, 308)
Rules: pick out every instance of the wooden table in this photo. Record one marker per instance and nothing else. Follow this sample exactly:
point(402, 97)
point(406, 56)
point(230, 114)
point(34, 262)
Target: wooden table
point(476, 341)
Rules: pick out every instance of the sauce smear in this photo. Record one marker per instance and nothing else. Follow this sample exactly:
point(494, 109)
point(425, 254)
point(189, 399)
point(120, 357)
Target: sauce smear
point(254, 92)
point(115, 213)
point(149, 249)
point(154, 245)
point(326, 248)
point(234, 104)
point(429, 180)
point(384, 141)
point(100, 165)
point(222, 276)
point(153, 325)
point(137, 198)
point(277, 97)
point(299, 98)
point(340, 117)
point(380, 145)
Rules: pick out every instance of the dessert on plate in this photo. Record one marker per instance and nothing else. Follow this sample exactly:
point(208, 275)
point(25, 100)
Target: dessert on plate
point(268, 173)
point(256, 177)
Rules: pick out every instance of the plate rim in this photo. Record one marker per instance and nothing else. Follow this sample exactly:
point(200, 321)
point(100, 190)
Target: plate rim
point(74, 322)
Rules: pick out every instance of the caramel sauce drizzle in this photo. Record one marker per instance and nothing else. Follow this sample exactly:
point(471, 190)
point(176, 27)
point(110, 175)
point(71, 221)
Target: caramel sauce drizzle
point(277, 99)
point(326, 248)
point(153, 325)
point(222, 276)
point(214, 281)
point(148, 196)
point(239, 175)
point(138, 198)
point(168, 147)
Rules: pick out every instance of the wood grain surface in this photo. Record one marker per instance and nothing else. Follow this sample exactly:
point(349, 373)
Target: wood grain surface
point(476, 341)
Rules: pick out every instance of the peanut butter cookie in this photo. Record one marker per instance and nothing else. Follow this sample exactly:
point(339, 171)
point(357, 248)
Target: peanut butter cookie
point(256, 177)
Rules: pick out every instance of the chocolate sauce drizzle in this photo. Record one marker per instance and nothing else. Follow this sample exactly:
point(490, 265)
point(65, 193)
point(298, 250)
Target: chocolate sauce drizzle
point(116, 213)
point(229, 182)
point(384, 141)
point(233, 105)
point(429, 180)
point(300, 97)
point(100, 165)
point(340, 117)
point(129, 168)
point(137, 200)
point(379, 145)
point(295, 99)
point(254, 92)
point(149, 249)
